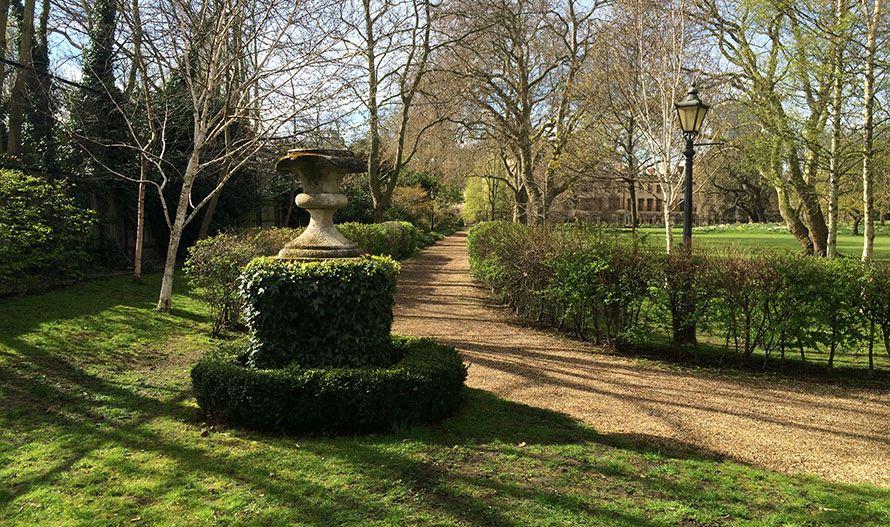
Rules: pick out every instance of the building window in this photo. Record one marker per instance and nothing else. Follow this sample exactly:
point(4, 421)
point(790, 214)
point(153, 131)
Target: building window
point(649, 205)
point(640, 203)
point(657, 205)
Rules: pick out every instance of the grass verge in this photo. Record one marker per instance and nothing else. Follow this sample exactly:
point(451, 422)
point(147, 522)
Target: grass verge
point(98, 427)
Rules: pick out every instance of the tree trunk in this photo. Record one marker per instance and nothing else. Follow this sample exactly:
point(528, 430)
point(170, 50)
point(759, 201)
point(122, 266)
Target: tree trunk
point(868, 199)
point(17, 97)
point(634, 213)
point(534, 212)
point(377, 197)
point(137, 49)
point(290, 209)
point(166, 294)
point(668, 233)
point(140, 221)
point(809, 200)
point(208, 216)
point(4, 18)
point(792, 219)
point(834, 162)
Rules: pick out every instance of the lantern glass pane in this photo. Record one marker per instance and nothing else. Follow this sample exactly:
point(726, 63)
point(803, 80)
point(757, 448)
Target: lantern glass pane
point(700, 117)
point(687, 117)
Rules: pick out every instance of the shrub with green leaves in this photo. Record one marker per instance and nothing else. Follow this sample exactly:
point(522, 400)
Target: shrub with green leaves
point(875, 304)
point(581, 274)
point(685, 292)
point(43, 233)
point(334, 313)
point(596, 281)
point(424, 385)
point(397, 239)
point(213, 267)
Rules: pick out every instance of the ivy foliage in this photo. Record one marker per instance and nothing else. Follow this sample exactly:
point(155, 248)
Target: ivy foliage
point(424, 385)
point(43, 233)
point(334, 313)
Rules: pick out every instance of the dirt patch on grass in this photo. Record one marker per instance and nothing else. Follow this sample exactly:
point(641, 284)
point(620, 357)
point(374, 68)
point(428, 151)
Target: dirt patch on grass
point(840, 433)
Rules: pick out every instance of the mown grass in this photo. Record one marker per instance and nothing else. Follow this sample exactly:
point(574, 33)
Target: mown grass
point(751, 237)
point(98, 428)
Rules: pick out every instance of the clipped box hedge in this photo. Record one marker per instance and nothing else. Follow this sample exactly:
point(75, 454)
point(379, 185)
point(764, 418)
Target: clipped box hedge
point(423, 386)
point(397, 239)
point(333, 313)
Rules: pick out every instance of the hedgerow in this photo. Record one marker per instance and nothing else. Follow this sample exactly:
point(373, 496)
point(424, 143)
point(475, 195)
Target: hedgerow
point(617, 289)
point(43, 233)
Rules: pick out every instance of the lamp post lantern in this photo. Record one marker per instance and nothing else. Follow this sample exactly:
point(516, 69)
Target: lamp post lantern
point(691, 112)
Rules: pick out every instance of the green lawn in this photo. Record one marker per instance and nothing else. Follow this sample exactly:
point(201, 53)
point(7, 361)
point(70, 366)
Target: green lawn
point(750, 236)
point(98, 427)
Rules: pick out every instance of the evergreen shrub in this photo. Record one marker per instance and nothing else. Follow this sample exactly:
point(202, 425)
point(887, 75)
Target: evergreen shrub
point(334, 313)
point(397, 239)
point(424, 385)
point(43, 233)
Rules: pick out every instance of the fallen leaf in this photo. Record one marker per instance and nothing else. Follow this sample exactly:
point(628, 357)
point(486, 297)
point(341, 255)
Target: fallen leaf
point(521, 444)
point(136, 519)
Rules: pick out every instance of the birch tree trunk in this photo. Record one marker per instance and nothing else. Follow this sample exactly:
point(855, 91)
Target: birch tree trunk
point(668, 233)
point(834, 161)
point(868, 199)
point(140, 220)
point(191, 171)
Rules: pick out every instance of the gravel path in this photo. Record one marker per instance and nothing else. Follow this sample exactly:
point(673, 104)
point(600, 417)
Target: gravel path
point(839, 433)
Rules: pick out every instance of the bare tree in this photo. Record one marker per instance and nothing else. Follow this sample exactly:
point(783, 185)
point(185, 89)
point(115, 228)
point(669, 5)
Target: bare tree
point(518, 71)
point(665, 53)
point(224, 64)
point(390, 42)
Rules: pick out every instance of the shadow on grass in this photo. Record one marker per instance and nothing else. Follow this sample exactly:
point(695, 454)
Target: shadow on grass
point(848, 371)
point(95, 435)
point(469, 469)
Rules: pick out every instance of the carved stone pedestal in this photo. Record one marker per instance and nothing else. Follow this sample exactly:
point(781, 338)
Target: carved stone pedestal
point(321, 172)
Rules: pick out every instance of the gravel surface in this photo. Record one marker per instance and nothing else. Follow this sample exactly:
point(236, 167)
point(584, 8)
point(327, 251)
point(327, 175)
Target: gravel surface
point(839, 433)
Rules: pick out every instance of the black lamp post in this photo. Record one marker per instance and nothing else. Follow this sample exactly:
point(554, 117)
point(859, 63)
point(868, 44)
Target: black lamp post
point(691, 112)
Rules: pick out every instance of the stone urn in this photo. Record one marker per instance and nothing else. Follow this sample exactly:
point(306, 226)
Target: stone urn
point(321, 172)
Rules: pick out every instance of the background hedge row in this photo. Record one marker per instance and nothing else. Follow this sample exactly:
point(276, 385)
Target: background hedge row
point(423, 386)
point(613, 288)
point(214, 264)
